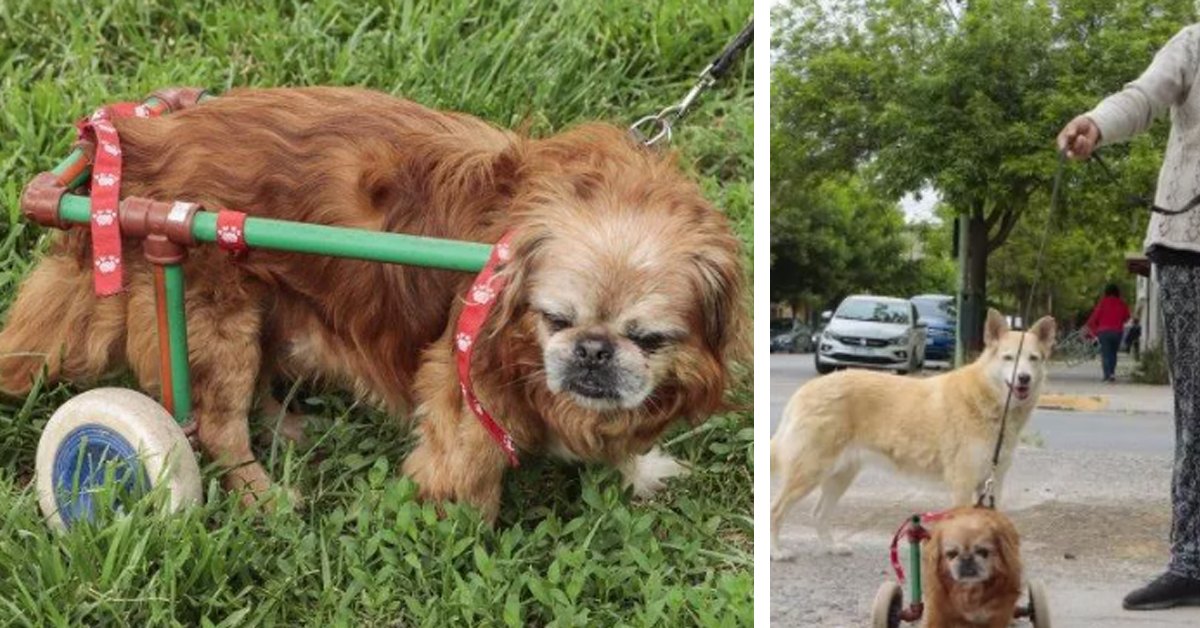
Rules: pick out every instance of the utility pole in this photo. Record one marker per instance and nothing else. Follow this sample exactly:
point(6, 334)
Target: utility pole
point(961, 242)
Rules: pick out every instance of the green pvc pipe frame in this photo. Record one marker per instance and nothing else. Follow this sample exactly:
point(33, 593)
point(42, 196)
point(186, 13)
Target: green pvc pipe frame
point(277, 235)
point(914, 563)
point(345, 242)
point(181, 384)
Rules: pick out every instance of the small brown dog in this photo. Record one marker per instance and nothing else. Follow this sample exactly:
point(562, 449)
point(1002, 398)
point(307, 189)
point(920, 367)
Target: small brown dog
point(623, 311)
point(972, 567)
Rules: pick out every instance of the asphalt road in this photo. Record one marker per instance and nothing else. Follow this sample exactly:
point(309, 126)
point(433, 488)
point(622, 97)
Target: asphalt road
point(1088, 493)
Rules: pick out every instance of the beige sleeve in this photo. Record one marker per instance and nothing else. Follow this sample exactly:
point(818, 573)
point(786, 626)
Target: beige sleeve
point(1165, 83)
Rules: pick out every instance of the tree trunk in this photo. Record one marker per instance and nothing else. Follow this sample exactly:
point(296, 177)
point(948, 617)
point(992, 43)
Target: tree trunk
point(974, 310)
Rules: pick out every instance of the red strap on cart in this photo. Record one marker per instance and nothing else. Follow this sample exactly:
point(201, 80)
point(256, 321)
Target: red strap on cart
point(106, 190)
point(928, 517)
point(481, 298)
point(231, 232)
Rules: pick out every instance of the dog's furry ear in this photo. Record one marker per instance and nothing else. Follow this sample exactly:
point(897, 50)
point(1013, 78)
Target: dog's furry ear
point(1008, 549)
point(721, 316)
point(512, 300)
point(933, 564)
point(995, 328)
point(1045, 330)
point(720, 289)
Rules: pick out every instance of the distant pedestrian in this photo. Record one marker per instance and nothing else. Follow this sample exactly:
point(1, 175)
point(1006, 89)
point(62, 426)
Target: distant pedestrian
point(1107, 324)
point(1173, 244)
point(1132, 336)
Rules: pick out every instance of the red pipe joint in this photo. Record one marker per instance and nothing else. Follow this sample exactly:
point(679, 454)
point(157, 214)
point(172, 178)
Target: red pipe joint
point(165, 227)
point(143, 217)
point(39, 201)
point(913, 612)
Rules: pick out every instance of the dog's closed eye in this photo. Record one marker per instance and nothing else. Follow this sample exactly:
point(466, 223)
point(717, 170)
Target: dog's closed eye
point(651, 341)
point(557, 322)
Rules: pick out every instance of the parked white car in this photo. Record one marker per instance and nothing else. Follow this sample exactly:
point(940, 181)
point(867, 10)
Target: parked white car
point(872, 332)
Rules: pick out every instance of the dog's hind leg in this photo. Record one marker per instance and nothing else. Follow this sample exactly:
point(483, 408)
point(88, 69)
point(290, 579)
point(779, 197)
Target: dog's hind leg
point(799, 479)
point(832, 490)
point(225, 356)
point(57, 324)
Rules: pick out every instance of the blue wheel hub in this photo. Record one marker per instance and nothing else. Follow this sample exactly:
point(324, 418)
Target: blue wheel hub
point(90, 458)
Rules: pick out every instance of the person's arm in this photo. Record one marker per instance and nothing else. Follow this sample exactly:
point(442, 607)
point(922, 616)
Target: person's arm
point(1090, 325)
point(1165, 83)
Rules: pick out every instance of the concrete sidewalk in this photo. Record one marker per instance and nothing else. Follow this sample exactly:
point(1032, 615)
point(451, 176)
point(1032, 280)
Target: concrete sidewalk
point(1079, 388)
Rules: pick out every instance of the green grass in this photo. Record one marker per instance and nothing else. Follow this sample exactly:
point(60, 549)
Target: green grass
point(571, 548)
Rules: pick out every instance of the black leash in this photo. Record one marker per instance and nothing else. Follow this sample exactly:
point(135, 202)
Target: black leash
point(988, 494)
point(654, 128)
point(1145, 201)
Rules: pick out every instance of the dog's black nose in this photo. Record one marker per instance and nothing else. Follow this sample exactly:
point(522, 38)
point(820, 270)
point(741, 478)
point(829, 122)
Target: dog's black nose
point(594, 350)
point(1024, 378)
point(968, 568)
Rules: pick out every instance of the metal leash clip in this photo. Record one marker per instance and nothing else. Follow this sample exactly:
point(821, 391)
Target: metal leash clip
point(660, 123)
point(987, 497)
point(655, 128)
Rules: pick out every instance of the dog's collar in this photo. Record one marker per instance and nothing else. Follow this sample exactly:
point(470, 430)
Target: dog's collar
point(481, 298)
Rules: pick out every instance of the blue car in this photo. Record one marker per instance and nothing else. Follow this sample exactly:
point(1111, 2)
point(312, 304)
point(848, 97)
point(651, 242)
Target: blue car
point(940, 313)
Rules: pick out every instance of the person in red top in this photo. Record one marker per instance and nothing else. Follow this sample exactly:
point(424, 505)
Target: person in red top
point(1107, 324)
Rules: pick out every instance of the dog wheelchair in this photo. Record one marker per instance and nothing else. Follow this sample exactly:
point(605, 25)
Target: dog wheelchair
point(889, 611)
point(121, 439)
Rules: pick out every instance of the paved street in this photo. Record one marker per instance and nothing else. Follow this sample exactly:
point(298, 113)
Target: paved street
point(1088, 491)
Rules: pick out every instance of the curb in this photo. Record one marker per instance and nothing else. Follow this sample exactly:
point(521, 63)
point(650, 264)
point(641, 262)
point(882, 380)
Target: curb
point(1078, 403)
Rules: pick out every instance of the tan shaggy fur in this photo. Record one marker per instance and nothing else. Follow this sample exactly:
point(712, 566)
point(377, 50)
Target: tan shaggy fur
point(632, 229)
point(943, 427)
point(990, 603)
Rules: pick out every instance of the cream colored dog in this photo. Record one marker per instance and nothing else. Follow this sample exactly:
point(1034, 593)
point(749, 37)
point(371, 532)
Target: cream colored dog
point(943, 427)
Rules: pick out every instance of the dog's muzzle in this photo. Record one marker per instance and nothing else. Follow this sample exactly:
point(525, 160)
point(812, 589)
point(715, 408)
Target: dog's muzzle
point(592, 370)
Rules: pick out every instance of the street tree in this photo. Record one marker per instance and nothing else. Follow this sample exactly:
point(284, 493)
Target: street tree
point(964, 98)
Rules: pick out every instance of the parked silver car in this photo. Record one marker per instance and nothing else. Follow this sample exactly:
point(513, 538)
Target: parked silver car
point(873, 332)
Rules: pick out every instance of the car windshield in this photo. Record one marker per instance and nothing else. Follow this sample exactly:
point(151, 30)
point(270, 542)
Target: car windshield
point(874, 311)
point(936, 308)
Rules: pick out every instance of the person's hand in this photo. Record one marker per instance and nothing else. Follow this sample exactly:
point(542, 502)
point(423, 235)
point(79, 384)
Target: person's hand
point(1079, 138)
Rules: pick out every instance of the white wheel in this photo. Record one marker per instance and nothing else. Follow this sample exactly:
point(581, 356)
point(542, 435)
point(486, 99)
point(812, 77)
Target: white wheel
point(1039, 606)
point(100, 427)
point(889, 601)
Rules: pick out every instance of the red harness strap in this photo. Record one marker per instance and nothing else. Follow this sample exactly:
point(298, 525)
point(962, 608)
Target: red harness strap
point(231, 232)
point(928, 517)
point(481, 297)
point(106, 190)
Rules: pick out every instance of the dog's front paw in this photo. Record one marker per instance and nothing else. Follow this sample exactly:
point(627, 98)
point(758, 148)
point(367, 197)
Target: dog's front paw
point(438, 480)
point(647, 474)
point(780, 555)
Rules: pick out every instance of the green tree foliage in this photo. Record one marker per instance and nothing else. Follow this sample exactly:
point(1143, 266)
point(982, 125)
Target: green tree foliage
point(966, 98)
point(844, 237)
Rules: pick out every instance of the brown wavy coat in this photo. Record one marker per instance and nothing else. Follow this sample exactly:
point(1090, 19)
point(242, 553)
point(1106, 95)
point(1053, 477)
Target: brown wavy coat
point(357, 158)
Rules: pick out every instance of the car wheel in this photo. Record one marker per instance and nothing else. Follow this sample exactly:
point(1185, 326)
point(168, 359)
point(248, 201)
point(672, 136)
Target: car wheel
point(822, 368)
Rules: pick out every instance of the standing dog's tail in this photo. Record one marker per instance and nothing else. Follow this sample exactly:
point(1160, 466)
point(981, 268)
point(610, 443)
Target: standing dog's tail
point(57, 323)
